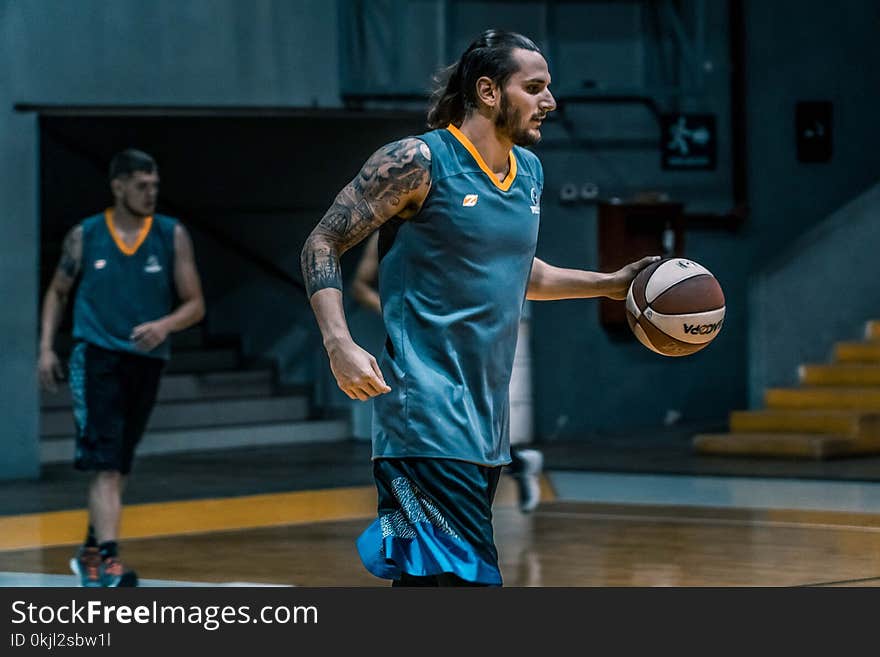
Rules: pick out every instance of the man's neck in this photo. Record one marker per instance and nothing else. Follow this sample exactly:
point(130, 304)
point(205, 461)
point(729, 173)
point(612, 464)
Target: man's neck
point(126, 221)
point(493, 148)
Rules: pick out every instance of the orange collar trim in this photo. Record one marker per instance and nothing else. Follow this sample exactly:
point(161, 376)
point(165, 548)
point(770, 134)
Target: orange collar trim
point(503, 185)
point(142, 235)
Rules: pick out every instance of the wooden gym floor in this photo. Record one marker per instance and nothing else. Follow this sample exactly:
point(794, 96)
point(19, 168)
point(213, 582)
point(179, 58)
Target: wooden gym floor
point(290, 516)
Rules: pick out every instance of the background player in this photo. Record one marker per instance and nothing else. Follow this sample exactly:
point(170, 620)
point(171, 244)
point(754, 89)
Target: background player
point(132, 267)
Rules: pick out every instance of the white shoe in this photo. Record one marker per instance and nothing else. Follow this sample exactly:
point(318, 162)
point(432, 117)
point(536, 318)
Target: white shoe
point(529, 480)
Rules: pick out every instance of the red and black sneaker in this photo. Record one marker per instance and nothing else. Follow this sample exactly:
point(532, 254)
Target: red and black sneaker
point(114, 574)
point(86, 563)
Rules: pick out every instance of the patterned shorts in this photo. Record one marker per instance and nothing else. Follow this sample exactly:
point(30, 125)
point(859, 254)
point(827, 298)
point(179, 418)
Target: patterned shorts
point(113, 396)
point(435, 516)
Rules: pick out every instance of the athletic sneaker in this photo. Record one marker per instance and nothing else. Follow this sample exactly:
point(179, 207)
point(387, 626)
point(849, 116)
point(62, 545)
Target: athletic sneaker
point(114, 574)
point(528, 478)
point(86, 564)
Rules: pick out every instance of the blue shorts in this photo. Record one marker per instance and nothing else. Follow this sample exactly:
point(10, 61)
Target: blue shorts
point(435, 516)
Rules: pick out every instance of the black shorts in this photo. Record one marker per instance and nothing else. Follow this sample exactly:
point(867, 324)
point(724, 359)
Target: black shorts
point(113, 394)
point(435, 518)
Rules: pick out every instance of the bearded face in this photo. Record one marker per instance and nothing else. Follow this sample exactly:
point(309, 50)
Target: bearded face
point(510, 121)
point(522, 130)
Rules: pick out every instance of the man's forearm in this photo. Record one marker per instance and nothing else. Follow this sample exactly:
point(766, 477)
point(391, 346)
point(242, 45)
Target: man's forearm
point(185, 315)
point(53, 309)
point(551, 283)
point(319, 261)
point(329, 312)
point(323, 279)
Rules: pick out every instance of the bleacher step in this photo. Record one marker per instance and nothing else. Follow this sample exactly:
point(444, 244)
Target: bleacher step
point(198, 385)
point(852, 424)
point(849, 374)
point(60, 450)
point(200, 413)
point(824, 397)
point(857, 352)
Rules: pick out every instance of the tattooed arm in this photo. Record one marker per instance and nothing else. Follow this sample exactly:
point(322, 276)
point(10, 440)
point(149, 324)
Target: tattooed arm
point(394, 182)
point(54, 303)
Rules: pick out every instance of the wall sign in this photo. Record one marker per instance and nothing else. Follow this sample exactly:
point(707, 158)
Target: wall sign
point(689, 141)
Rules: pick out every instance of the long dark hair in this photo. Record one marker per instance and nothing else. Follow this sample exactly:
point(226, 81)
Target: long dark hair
point(455, 87)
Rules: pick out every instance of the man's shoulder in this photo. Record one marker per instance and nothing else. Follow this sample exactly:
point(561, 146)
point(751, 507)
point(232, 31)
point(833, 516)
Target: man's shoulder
point(90, 221)
point(165, 220)
point(406, 153)
point(410, 143)
point(166, 227)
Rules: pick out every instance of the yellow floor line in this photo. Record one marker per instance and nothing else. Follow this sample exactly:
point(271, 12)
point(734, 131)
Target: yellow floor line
point(172, 518)
point(193, 516)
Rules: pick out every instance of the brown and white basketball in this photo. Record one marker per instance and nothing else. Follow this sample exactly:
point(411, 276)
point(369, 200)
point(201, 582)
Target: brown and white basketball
point(675, 307)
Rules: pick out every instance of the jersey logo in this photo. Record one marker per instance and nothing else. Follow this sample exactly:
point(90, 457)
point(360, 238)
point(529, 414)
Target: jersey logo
point(100, 264)
point(152, 266)
point(470, 200)
point(536, 201)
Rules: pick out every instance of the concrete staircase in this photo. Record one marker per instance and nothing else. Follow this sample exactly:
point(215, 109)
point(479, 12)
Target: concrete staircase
point(834, 412)
point(208, 399)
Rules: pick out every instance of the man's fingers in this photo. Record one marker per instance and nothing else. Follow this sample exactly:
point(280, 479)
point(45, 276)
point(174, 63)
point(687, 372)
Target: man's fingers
point(366, 387)
point(373, 387)
point(362, 385)
point(48, 381)
point(356, 389)
point(358, 374)
point(140, 332)
point(375, 381)
point(144, 340)
point(381, 379)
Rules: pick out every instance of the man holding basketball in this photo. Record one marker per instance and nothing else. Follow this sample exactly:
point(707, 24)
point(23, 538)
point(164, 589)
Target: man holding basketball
point(458, 208)
point(525, 464)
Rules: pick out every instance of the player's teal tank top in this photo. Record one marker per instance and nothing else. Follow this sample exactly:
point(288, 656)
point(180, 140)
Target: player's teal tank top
point(452, 281)
point(122, 287)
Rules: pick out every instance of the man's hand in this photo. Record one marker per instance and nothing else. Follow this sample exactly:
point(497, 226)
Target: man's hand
point(624, 276)
point(149, 335)
point(50, 370)
point(357, 372)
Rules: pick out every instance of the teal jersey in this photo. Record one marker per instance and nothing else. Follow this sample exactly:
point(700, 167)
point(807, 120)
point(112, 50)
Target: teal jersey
point(453, 281)
point(121, 287)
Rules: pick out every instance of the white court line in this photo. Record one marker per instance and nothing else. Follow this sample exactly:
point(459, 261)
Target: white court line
point(783, 524)
point(717, 492)
point(13, 579)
